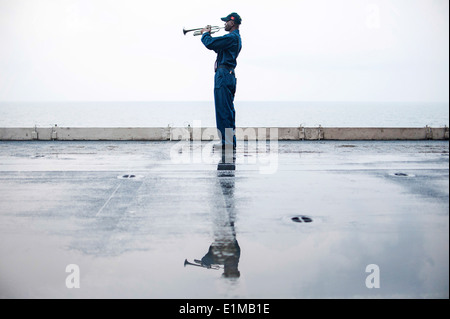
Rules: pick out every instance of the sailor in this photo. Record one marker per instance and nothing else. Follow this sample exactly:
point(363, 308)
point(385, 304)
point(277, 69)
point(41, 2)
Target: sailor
point(227, 48)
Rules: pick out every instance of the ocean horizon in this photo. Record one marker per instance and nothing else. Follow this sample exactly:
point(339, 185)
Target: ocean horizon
point(248, 114)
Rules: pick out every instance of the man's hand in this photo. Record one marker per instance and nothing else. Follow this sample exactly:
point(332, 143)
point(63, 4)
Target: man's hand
point(206, 29)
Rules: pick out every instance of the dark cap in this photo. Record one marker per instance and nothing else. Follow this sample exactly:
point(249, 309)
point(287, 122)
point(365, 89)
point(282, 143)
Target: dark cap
point(233, 16)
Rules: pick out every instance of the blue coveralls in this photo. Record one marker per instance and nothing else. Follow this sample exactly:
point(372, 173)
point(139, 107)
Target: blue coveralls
point(227, 48)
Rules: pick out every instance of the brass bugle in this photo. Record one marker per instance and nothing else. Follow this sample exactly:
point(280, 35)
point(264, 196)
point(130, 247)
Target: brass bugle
point(200, 264)
point(214, 29)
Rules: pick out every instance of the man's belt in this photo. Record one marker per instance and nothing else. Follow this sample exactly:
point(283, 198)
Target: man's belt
point(225, 67)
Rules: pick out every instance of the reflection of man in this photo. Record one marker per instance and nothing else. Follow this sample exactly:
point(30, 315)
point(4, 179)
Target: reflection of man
point(226, 254)
point(225, 249)
point(227, 48)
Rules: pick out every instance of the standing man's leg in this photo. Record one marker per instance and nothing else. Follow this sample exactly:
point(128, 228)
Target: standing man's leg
point(225, 112)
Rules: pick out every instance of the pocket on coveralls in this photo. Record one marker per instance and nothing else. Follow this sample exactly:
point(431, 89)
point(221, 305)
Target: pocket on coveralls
point(219, 79)
point(231, 83)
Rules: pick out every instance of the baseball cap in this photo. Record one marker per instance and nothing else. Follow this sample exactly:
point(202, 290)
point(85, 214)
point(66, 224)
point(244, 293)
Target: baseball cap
point(233, 16)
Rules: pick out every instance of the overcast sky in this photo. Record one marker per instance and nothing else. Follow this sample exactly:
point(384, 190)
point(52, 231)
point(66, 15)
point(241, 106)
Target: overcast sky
point(303, 50)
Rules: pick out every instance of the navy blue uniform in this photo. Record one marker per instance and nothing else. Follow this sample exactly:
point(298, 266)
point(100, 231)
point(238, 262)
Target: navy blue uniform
point(227, 48)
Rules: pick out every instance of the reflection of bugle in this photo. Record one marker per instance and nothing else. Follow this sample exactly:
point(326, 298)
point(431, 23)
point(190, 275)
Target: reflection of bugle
point(197, 31)
point(198, 263)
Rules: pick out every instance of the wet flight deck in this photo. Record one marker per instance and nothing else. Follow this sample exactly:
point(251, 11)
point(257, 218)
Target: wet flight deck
point(299, 219)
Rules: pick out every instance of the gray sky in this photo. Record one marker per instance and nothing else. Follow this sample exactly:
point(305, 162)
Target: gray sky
point(303, 50)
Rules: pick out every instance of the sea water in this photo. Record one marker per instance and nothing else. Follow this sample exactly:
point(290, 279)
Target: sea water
point(248, 114)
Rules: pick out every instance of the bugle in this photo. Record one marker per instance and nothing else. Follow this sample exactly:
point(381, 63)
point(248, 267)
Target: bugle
point(197, 31)
point(198, 263)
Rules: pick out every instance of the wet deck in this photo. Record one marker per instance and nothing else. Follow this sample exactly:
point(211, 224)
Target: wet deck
point(129, 214)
